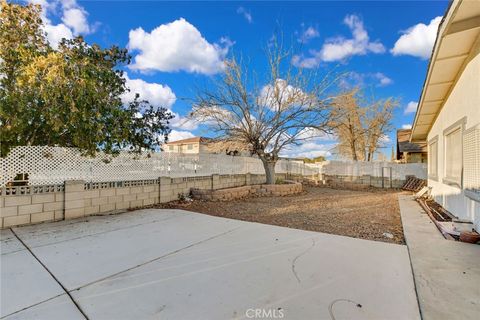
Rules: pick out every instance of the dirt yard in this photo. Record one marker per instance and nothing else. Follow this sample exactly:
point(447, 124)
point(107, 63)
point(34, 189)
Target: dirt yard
point(359, 214)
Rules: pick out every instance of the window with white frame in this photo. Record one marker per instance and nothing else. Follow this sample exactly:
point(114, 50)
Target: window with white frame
point(170, 148)
point(471, 162)
point(190, 147)
point(433, 158)
point(454, 156)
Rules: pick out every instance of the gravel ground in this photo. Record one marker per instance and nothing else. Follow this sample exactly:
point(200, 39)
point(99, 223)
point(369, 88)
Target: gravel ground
point(358, 214)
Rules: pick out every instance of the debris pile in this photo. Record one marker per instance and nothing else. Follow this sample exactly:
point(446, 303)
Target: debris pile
point(439, 212)
point(450, 226)
point(414, 184)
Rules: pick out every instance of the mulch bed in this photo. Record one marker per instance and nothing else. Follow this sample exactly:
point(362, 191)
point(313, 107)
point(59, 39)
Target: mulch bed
point(359, 214)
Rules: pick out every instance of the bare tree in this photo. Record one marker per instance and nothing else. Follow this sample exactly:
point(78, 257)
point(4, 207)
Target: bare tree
point(288, 108)
point(347, 121)
point(378, 123)
point(361, 126)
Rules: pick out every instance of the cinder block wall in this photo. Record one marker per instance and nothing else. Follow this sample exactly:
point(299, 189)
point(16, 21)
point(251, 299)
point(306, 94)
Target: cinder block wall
point(77, 198)
point(258, 178)
point(246, 190)
point(31, 204)
point(364, 181)
point(172, 188)
point(84, 199)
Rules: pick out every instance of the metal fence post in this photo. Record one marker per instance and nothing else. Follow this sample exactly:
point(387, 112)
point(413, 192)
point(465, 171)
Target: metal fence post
point(391, 183)
point(383, 179)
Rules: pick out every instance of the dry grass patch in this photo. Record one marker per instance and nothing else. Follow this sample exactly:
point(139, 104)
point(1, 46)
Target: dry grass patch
point(359, 214)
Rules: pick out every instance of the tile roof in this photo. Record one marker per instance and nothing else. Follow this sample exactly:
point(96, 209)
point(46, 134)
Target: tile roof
point(189, 140)
point(404, 144)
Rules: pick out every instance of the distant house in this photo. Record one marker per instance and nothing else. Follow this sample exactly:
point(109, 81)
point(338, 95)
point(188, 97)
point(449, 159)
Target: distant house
point(410, 152)
point(203, 145)
point(448, 114)
point(195, 145)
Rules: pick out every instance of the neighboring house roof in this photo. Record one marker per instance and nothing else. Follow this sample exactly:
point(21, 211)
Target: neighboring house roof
point(213, 145)
point(190, 140)
point(404, 144)
point(458, 31)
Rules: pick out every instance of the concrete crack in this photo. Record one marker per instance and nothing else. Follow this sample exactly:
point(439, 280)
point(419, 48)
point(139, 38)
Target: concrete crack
point(156, 259)
point(96, 233)
point(51, 274)
point(33, 305)
point(294, 261)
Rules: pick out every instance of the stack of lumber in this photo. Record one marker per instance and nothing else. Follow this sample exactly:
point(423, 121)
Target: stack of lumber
point(439, 212)
point(414, 184)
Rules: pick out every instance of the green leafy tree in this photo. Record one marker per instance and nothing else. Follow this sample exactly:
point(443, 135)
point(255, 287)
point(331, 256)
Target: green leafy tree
point(21, 41)
point(70, 96)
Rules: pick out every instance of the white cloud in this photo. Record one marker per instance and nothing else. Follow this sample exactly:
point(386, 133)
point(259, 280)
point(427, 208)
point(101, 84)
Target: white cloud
point(309, 150)
point(55, 33)
point(157, 94)
point(308, 34)
point(304, 62)
point(179, 135)
point(176, 46)
point(418, 40)
point(245, 13)
point(352, 79)
point(310, 134)
point(184, 123)
point(340, 48)
point(384, 139)
point(76, 18)
point(44, 4)
point(314, 144)
point(281, 95)
point(209, 115)
point(406, 126)
point(411, 107)
point(73, 16)
point(355, 79)
point(383, 80)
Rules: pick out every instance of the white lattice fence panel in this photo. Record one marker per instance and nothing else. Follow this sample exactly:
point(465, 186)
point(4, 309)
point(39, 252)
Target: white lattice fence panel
point(54, 165)
point(51, 165)
point(360, 168)
point(471, 159)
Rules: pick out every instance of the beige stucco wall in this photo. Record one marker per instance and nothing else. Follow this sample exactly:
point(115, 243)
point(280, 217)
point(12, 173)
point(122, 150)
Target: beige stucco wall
point(198, 148)
point(464, 101)
point(416, 157)
point(183, 148)
point(205, 149)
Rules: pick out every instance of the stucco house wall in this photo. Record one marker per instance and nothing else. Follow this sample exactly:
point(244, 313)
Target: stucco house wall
point(415, 157)
point(183, 148)
point(462, 106)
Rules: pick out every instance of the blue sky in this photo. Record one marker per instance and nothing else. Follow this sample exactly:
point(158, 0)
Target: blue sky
point(177, 46)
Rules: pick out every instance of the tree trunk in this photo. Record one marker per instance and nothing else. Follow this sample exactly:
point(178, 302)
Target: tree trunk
point(354, 152)
point(269, 166)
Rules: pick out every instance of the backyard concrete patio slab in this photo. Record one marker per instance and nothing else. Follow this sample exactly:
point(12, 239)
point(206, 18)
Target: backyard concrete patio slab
point(24, 282)
point(9, 243)
point(60, 307)
point(85, 256)
point(174, 264)
point(447, 273)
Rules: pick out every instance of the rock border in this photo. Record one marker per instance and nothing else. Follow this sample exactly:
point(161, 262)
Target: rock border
point(259, 190)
